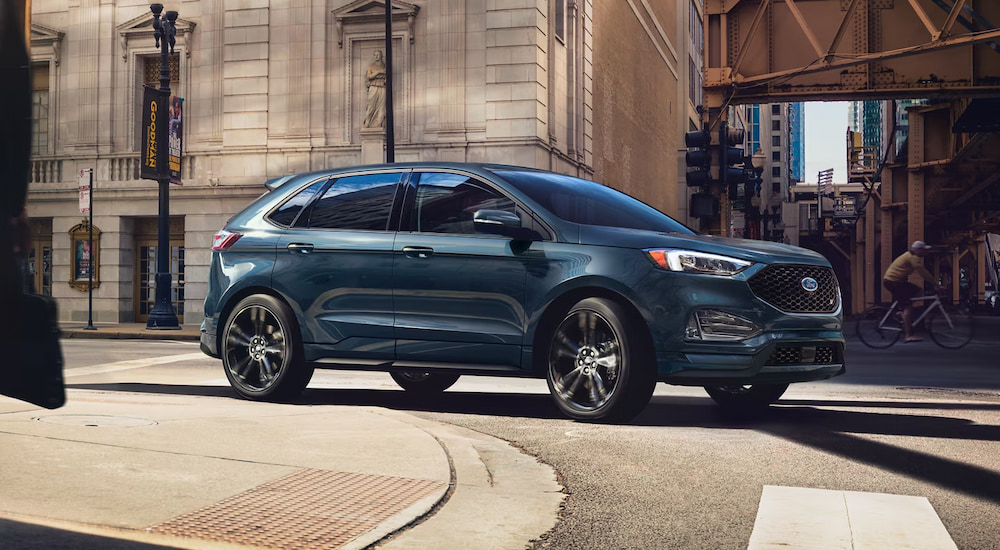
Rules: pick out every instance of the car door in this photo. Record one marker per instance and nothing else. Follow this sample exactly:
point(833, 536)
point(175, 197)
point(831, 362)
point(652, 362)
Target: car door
point(458, 294)
point(334, 264)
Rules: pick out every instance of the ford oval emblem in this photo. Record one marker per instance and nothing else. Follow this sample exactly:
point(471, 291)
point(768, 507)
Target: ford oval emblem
point(810, 284)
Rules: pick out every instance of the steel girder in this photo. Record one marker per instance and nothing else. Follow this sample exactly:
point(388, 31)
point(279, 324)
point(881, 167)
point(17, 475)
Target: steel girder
point(761, 51)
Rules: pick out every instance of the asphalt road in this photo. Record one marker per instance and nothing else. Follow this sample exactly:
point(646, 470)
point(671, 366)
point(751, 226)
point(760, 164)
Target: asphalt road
point(913, 420)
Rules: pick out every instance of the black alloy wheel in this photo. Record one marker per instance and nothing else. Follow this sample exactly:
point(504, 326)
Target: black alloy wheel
point(599, 366)
point(262, 352)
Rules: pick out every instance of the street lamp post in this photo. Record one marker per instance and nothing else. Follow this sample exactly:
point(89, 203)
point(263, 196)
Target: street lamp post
point(390, 135)
point(163, 315)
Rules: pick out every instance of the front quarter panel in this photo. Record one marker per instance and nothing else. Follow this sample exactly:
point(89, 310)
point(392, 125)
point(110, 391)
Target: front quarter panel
point(556, 269)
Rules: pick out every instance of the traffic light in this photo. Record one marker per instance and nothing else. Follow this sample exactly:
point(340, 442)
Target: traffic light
point(730, 155)
point(698, 158)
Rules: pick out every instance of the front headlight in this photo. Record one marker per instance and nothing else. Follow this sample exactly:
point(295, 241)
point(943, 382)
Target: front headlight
point(690, 261)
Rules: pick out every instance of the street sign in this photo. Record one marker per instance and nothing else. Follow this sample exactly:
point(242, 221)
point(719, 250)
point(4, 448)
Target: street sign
point(84, 188)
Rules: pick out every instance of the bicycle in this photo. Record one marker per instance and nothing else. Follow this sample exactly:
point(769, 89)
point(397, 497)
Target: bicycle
point(948, 326)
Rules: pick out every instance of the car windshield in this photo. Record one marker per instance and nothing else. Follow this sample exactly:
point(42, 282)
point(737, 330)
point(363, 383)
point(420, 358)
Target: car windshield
point(586, 202)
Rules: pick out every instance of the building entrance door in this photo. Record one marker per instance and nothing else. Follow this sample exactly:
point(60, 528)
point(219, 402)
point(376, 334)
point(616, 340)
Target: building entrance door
point(145, 267)
point(40, 257)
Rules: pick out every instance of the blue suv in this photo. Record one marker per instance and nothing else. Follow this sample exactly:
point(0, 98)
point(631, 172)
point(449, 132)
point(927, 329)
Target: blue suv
point(430, 271)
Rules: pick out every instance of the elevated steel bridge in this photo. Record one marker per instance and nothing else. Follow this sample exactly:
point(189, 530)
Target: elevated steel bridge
point(943, 186)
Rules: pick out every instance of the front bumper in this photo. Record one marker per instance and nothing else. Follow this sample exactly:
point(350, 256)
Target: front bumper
point(779, 362)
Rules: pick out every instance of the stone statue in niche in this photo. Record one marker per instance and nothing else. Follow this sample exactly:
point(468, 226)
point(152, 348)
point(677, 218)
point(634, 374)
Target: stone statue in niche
point(375, 108)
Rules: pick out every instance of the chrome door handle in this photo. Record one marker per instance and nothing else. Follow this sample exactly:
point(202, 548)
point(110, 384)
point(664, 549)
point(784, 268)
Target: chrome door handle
point(300, 247)
point(418, 252)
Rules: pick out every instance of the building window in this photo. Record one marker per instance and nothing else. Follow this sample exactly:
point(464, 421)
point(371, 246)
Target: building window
point(560, 20)
point(775, 125)
point(697, 46)
point(776, 109)
point(40, 109)
point(150, 72)
point(754, 138)
point(775, 171)
point(776, 156)
point(775, 141)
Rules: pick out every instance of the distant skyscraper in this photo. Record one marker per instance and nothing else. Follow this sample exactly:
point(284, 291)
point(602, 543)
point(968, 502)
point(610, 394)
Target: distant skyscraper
point(866, 117)
point(854, 115)
point(903, 120)
point(871, 125)
point(797, 141)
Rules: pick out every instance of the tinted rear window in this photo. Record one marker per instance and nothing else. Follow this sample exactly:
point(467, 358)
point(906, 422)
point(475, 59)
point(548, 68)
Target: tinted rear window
point(286, 213)
point(586, 202)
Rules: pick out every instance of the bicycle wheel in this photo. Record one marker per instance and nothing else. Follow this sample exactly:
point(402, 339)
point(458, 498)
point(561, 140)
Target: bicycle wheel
point(872, 334)
point(951, 328)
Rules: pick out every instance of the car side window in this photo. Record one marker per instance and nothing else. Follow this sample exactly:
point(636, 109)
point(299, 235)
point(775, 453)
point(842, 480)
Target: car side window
point(286, 213)
point(356, 202)
point(446, 203)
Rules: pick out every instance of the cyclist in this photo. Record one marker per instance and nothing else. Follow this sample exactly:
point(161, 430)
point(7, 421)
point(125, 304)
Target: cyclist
point(895, 281)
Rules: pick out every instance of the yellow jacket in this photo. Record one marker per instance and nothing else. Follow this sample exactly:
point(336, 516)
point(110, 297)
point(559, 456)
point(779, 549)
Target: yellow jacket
point(901, 268)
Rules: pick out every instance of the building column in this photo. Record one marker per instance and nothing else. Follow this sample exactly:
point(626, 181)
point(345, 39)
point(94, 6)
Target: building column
point(915, 185)
point(885, 231)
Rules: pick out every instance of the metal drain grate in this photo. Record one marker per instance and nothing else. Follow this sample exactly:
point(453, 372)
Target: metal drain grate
point(310, 509)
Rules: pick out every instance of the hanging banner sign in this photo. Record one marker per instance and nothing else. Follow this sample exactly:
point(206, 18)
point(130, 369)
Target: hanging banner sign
point(174, 139)
point(154, 133)
point(83, 186)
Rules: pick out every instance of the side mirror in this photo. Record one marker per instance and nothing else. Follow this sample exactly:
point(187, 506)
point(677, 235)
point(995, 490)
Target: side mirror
point(501, 222)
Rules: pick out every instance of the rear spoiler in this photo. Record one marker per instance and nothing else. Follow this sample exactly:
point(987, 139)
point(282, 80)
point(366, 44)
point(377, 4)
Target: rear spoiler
point(275, 183)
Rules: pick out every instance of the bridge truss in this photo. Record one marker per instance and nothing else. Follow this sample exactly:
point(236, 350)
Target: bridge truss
point(941, 186)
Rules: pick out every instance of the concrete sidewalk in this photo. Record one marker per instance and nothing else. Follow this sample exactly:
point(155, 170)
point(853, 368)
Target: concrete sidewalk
point(127, 331)
point(120, 470)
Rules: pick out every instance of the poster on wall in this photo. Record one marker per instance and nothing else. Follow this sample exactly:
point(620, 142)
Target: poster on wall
point(154, 130)
point(174, 139)
point(83, 260)
point(85, 257)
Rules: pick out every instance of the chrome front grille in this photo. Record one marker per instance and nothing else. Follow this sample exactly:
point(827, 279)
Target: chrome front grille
point(783, 286)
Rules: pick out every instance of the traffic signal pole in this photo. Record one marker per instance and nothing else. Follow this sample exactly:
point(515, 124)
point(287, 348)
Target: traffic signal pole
point(716, 165)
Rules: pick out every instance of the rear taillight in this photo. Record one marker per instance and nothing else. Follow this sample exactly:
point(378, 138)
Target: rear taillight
point(225, 239)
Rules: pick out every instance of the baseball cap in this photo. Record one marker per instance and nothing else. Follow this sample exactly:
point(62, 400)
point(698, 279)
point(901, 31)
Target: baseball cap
point(920, 245)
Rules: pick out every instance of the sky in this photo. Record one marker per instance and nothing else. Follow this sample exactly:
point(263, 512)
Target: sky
point(826, 139)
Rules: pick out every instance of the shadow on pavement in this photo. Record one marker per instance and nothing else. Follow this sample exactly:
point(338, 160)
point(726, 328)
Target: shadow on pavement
point(804, 422)
point(18, 535)
point(842, 433)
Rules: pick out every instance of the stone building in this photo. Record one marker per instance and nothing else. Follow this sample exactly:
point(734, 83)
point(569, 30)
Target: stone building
point(274, 87)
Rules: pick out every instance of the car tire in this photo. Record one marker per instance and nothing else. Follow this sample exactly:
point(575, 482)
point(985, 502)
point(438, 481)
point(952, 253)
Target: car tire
point(746, 397)
point(262, 350)
point(599, 367)
point(424, 383)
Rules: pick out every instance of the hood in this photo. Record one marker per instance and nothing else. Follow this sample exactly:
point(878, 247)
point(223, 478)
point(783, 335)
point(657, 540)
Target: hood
point(747, 249)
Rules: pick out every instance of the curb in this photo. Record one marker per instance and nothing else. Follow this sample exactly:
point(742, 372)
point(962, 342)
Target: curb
point(112, 334)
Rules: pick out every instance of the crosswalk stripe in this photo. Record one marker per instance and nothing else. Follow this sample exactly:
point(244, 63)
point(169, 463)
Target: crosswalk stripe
point(799, 518)
point(132, 364)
